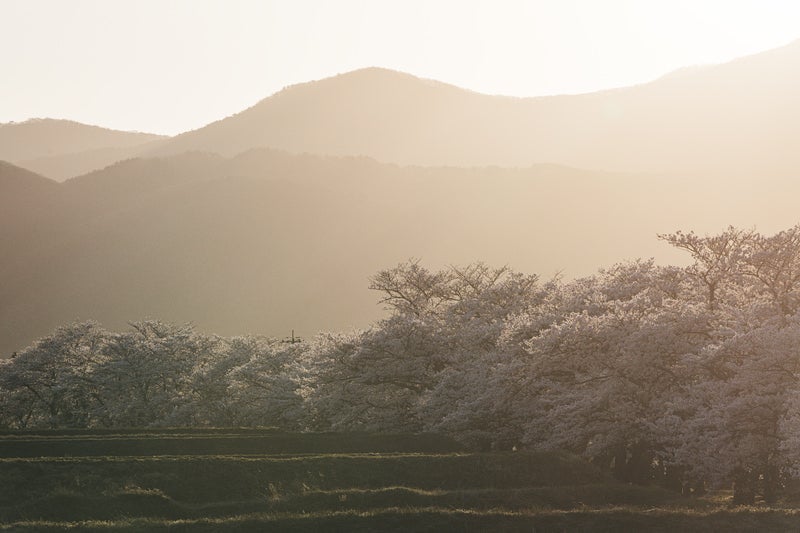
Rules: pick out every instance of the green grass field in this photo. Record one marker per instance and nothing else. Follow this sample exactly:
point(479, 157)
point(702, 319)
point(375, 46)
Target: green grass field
point(266, 480)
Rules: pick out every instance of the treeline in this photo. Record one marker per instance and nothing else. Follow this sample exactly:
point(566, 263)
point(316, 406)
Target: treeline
point(686, 376)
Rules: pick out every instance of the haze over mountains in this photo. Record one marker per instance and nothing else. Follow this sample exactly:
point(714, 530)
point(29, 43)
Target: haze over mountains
point(61, 149)
point(739, 117)
point(225, 227)
point(735, 118)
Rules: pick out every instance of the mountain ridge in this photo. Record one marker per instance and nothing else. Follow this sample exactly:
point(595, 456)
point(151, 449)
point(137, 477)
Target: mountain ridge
point(737, 117)
point(693, 124)
point(60, 149)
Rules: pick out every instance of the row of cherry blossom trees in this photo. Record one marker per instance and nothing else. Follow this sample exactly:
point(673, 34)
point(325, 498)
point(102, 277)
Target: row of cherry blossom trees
point(156, 374)
point(687, 376)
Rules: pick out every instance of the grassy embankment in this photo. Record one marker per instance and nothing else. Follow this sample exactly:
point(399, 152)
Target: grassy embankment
point(256, 480)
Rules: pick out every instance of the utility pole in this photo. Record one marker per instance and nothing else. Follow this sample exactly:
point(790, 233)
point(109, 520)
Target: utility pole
point(293, 339)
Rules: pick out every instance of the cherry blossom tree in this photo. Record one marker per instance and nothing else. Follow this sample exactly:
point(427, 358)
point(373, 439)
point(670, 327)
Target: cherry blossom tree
point(602, 374)
point(265, 387)
point(146, 377)
point(52, 383)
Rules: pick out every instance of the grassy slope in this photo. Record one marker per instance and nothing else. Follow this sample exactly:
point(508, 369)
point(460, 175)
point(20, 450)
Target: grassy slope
point(613, 519)
point(420, 486)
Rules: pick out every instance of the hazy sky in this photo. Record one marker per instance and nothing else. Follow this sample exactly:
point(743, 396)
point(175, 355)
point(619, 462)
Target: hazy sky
point(166, 66)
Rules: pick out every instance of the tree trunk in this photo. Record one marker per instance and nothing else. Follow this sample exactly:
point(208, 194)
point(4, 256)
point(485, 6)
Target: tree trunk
point(673, 478)
point(744, 490)
point(698, 488)
point(620, 467)
point(640, 464)
point(771, 484)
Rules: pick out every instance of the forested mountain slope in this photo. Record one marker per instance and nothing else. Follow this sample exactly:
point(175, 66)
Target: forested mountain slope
point(266, 242)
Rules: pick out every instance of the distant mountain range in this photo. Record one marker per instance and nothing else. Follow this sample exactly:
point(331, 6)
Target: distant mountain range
point(230, 226)
point(61, 149)
point(741, 117)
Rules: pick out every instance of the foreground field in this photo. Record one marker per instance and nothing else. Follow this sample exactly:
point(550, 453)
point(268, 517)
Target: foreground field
point(256, 480)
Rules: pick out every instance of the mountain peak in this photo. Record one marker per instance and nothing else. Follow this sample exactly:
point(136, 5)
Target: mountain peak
point(369, 77)
point(376, 71)
point(72, 125)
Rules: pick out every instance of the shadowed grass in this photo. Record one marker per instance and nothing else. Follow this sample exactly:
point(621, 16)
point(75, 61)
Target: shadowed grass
point(431, 489)
point(559, 497)
point(436, 519)
point(88, 443)
point(152, 503)
point(228, 478)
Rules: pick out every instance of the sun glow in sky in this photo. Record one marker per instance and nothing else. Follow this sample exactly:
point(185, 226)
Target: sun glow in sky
point(169, 66)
